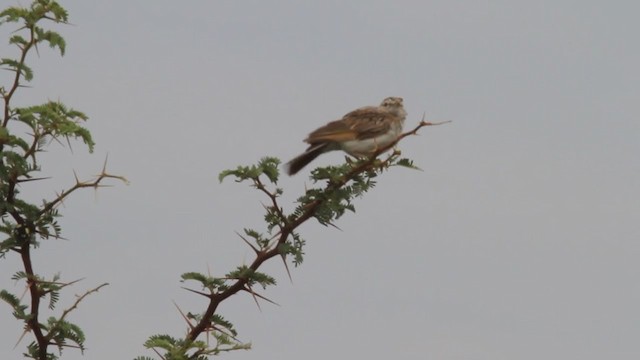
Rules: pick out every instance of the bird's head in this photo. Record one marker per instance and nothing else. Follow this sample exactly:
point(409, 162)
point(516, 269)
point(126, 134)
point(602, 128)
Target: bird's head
point(394, 105)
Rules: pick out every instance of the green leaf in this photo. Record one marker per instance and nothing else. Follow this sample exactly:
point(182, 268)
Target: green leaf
point(267, 166)
point(13, 14)
point(297, 246)
point(239, 173)
point(59, 13)
point(62, 331)
point(53, 38)
point(407, 163)
point(19, 276)
point(9, 298)
point(54, 296)
point(211, 283)
point(18, 40)
point(165, 342)
point(56, 120)
point(15, 66)
point(259, 238)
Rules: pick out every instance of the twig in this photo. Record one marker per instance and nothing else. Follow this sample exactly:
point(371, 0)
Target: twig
point(78, 300)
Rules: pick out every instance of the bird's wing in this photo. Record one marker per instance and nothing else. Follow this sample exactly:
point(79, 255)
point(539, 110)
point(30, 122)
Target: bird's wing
point(360, 124)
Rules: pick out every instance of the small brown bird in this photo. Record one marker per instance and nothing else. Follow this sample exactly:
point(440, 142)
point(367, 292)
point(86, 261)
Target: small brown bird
point(359, 133)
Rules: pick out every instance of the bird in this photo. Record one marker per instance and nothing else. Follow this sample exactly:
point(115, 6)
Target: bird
point(359, 133)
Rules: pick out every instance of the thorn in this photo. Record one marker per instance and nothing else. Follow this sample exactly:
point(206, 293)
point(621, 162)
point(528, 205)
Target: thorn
point(33, 179)
point(198, 292)
point(286, 266)
point(62, 285)
point(158, 353)
point(266, 299)
point(70, 147)
point(247, 288)
point(333, 225)
point(207, 334)
point(248, 243)
point(104, 167)
point(255, 295)
point(271, 242)
point(26, 288)
point(57, 140)
point(213, 327)
point(26, 330)
point(186, 319)
point(54, 236)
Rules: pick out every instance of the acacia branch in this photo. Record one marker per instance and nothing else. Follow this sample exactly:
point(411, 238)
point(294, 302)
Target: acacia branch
point(16, 80)
point(289, 226)
point(96, 183)
point(27, 217)
point(34, 292)
point(78, 300)
point(53, 330)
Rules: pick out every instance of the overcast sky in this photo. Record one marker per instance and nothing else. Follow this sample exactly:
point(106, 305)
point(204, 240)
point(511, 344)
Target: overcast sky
point(519, 240)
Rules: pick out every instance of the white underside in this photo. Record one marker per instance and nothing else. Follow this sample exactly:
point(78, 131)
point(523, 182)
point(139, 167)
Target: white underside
point(369, 146)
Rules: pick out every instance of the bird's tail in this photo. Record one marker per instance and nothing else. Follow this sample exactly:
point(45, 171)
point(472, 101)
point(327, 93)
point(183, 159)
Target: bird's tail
point(305, 158)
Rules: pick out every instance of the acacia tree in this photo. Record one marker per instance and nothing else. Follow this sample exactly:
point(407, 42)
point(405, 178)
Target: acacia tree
point(24, 134)
point(25, 224)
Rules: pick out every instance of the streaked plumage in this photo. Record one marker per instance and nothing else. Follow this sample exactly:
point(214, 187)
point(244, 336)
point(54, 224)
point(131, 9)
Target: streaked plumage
point(359, 133)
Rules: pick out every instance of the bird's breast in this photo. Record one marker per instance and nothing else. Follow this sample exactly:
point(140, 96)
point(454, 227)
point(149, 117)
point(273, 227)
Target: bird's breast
point(365, 147)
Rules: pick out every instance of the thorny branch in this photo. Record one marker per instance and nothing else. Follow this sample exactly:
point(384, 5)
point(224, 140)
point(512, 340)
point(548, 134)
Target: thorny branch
point(26, 221)
point(78, 300)
point(288, 227)
point(16, 80)
point(95, 183)
point(35, 291)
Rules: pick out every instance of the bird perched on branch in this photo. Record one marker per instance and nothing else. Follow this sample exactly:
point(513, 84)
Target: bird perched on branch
point(359, 133)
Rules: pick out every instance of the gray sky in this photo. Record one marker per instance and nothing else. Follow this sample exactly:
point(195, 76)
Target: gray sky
point(520, 240)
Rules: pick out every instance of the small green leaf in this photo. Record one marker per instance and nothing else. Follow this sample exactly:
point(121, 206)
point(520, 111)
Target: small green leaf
point(18, 40)
point(9, 298)
point(267, 166)
point(53, 38)
point(404, 162)
point(13, 14)
point(15, 66)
